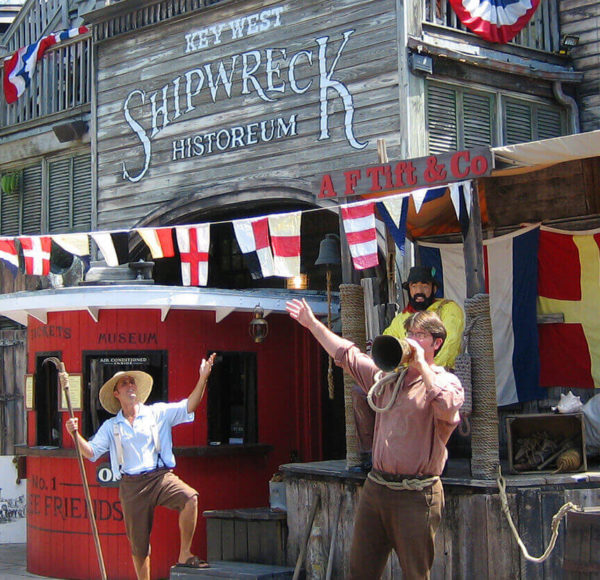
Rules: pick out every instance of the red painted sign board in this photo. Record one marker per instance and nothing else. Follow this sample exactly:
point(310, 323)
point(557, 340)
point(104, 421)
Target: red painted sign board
point(422, 172)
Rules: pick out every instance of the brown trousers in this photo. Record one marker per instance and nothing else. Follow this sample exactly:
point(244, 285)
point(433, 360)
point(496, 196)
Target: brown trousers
point(140, 494)
point(405, 521)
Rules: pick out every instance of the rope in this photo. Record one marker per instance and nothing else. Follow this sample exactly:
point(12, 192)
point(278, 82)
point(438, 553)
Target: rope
point(484, 419)
point(381, 380)
point(330, 386)
point(404, 484)
point(556, 519)
point(352, 304)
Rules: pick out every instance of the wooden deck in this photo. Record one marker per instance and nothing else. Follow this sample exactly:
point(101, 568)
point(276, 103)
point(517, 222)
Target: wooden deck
point(474, 541)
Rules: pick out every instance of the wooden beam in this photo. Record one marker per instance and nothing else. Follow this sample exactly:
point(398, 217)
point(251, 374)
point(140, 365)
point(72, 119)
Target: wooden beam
point(473, 249)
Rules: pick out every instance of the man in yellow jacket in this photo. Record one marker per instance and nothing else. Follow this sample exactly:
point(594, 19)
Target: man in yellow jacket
point(421, 287)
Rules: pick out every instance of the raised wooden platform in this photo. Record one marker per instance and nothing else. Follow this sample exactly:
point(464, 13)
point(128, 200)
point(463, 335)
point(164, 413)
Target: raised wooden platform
point(233, 570)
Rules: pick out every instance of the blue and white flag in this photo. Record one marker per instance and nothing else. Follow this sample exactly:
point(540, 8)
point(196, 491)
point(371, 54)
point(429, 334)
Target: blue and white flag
point(511, 281)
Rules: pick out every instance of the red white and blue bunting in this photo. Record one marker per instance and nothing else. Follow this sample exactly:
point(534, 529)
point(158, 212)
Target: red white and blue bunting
point(495, 20)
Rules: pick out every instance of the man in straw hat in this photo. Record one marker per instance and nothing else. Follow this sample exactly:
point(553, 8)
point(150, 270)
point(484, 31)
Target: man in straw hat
point(400, 505)
point(141, 456)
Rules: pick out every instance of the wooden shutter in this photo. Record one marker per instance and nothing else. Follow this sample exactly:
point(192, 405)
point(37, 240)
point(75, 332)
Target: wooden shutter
point(59, 196)
point(442, 123)
point(82, 193)
point(549, 122)
point(32, 200)
point(10, 206)
point(517, 122)
point(478, 120)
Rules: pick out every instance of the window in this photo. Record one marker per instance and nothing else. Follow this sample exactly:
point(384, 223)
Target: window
point(232, 399)
point(54, 197)
point(464, 118)
point(100, 367)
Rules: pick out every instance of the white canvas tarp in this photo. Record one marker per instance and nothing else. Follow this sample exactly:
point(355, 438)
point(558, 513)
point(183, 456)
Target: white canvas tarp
point(538, 154)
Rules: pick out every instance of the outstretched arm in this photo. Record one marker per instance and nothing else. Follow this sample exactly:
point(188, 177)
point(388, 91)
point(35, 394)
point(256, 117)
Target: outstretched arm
point(72, 425)
point(299, 310)
point(196, 395)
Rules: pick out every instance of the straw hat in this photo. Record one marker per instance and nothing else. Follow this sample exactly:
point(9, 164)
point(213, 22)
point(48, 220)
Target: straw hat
point(142, 380)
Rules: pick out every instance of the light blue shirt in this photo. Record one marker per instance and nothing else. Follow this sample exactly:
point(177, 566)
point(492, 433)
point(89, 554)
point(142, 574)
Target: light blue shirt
point(139, 452)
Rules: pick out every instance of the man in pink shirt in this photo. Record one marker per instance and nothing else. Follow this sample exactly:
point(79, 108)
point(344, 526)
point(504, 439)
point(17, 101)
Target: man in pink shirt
point(400, 506)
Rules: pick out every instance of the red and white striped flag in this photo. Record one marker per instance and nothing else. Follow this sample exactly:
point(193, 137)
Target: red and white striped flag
point(9, 254)
point(159, 240)
point(193, 243)
point(36, 251)
point(285, 241)
point(359, 225)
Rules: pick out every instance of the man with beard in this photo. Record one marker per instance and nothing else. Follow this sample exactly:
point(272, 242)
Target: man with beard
point(421, 287)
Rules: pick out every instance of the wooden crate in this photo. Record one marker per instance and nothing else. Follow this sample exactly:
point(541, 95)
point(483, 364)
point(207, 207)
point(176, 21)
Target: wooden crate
point(559, 426)
point(256, 535)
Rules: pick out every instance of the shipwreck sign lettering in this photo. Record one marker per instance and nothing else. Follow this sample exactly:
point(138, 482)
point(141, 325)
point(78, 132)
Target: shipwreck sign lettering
point(271, 74)
point(413, 173)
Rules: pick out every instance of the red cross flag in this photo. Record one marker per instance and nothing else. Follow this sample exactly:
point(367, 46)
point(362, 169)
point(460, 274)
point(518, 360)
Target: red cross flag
point(193, 243)
point(36, 251)
point(9, 254)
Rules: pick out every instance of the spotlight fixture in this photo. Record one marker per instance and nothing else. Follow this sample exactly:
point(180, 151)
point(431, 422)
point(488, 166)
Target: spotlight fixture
point(567, 42)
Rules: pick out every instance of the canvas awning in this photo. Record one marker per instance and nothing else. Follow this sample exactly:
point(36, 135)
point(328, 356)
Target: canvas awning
point(535, 155)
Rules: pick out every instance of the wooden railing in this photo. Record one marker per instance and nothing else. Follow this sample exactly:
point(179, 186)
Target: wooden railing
point(541, 33)
point(62, 82)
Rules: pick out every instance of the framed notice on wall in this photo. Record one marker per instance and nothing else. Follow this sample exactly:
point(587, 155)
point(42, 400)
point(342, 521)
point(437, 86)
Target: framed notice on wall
point(29, 392)
point(75, 381)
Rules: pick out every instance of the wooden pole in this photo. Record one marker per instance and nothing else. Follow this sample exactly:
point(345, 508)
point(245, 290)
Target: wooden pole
point(88, 499)
point(390, 258)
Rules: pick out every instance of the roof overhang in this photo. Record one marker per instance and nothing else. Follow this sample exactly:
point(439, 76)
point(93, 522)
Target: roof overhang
point(20, 305)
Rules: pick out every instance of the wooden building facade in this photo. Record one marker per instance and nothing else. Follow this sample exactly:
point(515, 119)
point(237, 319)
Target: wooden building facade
point(176, 112)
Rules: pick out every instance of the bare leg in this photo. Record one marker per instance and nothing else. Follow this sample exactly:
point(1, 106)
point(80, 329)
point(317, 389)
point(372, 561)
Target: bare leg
point(142, 567)
point(187, 526)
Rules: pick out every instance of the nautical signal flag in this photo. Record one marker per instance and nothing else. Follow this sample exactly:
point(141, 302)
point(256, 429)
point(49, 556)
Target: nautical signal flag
point(359, 225)
point(511, 280)
point(21, 66)
point(159, 240)
point(36, 253)
point(114, 246)
point(253, 238)
point(193, 243)
point(285, 242)
point(9, 254)
point(569, 284)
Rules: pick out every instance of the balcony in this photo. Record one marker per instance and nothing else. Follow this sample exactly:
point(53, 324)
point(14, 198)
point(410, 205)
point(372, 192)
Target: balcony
point(541, 33)
point(62, 84)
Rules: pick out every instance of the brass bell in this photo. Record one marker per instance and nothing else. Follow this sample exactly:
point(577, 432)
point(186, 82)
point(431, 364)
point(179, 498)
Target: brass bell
point(329, 251)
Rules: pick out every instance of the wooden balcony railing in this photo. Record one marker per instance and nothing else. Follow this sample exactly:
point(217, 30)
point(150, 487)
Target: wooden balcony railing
point(62, 82)
point(541, 33)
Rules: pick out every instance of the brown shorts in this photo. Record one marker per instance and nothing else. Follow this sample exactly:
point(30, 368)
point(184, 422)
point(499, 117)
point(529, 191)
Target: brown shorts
point(140, 494)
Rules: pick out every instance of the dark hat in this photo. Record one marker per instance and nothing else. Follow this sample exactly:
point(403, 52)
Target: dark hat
point(420, 274)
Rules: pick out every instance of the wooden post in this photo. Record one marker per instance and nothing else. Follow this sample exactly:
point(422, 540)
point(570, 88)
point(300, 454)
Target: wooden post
point(390, 257)
point(473, 249)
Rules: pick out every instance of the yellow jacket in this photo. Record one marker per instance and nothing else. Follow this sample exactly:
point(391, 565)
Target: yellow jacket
point(454, 320)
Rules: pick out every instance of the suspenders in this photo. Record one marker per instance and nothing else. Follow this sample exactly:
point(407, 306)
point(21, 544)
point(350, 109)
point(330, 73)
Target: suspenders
point(119, 444)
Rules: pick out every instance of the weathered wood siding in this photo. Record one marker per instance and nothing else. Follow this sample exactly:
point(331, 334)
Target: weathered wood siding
point(334, 85)
point(582, 18)
point(474, 540)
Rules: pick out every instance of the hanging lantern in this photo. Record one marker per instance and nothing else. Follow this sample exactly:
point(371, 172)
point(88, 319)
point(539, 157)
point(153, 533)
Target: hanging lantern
point(259, 327)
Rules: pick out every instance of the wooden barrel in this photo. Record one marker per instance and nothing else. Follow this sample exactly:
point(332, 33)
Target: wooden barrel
point(582, 550)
